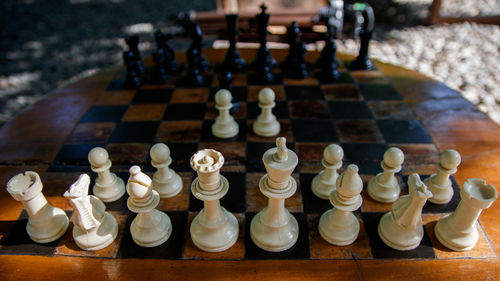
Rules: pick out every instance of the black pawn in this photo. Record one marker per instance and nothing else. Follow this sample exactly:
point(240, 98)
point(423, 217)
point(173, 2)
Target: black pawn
point(133, 77)
point(363, 62)
point(263, 63)
point(327, 61)
point(294, 63)
point(133, 46)
point(194, 77)
point(233, 61)
point(170, 64)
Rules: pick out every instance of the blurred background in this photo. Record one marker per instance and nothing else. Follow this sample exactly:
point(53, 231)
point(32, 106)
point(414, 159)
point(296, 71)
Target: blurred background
point(46, 44)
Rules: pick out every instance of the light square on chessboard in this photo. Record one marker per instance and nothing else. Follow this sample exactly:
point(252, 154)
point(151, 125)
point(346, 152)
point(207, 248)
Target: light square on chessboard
point(104, 113)
point(339, 92)
point(373, 76)
point(179, 131)
point(91, 132)
point(144, 112)
point(236, 252)
point(234, 152)
point(299, 82)
point(67, 246)
point(391, 110)
point(311, 109)
point(212, 113)
point(320, 249)
point(419, 158)
point(195, 95)
point(310, 156)
point(116, 98)
point(253, 92)
point(128, 153)
point(285, 131)
point(256, 201)
point(369, 204)
point(482, 249)
point(359, 131)
point(179, 202)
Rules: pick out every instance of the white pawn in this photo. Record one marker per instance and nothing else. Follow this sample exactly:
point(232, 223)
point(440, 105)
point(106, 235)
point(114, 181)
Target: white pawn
point(165, 181)
point(94, 228)
point(266, 124)
point(224, 127)
point(45, 223)
point(324, 183)
point(108, 187)
point(150, 227)
point(458, 231)
point(440, 184)
point(384, 187)
point(338, 226)
point(402, 228)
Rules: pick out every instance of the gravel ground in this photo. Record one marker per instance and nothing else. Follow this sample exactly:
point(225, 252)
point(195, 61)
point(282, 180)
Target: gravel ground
point(48, 43)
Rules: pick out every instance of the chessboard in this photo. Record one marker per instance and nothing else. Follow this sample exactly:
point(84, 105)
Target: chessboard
point(363, 112)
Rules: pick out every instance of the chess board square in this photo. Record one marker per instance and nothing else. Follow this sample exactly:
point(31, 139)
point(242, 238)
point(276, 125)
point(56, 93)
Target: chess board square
point(179, 131)
point(256, 201)
point(280, 110)
point(320, 249)
point(370, 205)
point(74, 153)
point(127, 132)
point(185, 111)
point(372, 77)
point(312, 203)
point(377, 92)
point(234, 152)
point(238, 93)
point(183, 82)
point(300, 82)
point(430, 207)
point(104, 114)
point(128, 153)
point(344, 78)
point(91, 133)
point(349, 110)
point(482, 249)
point(68, 247)
point(171, 249)
point(116, 98)
point(254, 153)
point(391, 110)
point(303, 93)
point(144, 112)
point(298, 251)
point(366, 156)
point(359, 131)
point(420, 158)
point(403, 131)
point(310, 156)
point(340, 92)
point(253, 79)
point(152, 96)
point(181, 153)
point(285, 131)
point(195, 95)
point(381, 251)
point(207, 136)
point(320, 130)
point(309, 109)
point(179, 202)
point(235, 252)
point(233, 201)
point(212, 112)
point(253, 92)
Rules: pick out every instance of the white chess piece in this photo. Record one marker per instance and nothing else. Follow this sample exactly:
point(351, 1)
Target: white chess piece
point(384, 187)
point(108, 187)
point(338, 226)
point(274, 229)
point(150, 227)
point(224, 127)
point(165, 181)
point(458, 231)
point(402, 228)
point(214, 229)
point(440, 184)
point(324, 183)
point(94, 228)
point(45, 223)
point(266, 124)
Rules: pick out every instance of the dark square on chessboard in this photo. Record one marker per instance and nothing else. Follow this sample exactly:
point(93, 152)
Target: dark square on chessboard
point(104, 114)
point(152, 96)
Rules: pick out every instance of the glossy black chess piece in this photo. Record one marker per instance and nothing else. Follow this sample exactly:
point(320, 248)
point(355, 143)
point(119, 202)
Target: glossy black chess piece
point(159, 71)
point(327, 61)
point(196, 49)
point(263, 63)
point(133, 46)
point(362, 61)
point(167, 52)
point(233, 61)
point(133, 77)
point(294, 64)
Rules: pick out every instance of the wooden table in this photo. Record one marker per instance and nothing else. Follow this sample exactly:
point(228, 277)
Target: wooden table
point(33, 138)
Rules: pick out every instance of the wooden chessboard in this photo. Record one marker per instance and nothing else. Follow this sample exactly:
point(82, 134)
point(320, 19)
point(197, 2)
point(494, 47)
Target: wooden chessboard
point(365, 112)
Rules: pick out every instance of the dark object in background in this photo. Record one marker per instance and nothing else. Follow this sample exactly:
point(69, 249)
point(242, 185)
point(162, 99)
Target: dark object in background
point(327, 61)
point(294, 64)
point(233, 61)
point(263, 63)
point(363, 62)
point(133, 78)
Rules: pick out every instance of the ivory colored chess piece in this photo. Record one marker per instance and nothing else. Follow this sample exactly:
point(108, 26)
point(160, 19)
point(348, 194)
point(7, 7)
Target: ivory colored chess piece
point(165, 181)
point(266, 124)
point(108, 187)
point(440, 184)
point(224, 127)
point(150, 227)
point(94, 228)
point(338, 226)
point(45, 223)
point(274, 229)
point(324, 183)
point(214, 229)
point(384, 187)
point(458, 231)
point(402, 228)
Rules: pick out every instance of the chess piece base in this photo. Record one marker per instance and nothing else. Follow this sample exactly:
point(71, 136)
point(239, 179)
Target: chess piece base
point(218, 238)
point(440, 194)
point(151, 229)
point(99, 237)
point(50, 230)
point(397, 237)
point(266, 129)
point(168, 188)
point(112, 192)
point(321, 188)
point(455, 240)
point(274, 239)
point(383, 193)
point(225, 131)
point(338, 227)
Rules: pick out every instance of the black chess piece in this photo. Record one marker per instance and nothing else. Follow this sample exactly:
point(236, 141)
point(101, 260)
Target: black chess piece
point(170, 64)
point(133, 46)
point(133, 77)
point(194, 78)
point(263, 63)
point(327, 61)
point(159, 71)
point(362, 61)
point(294, 64)
point(196, 47)
point(233, 61)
